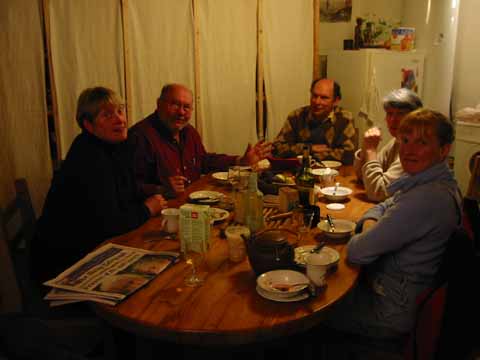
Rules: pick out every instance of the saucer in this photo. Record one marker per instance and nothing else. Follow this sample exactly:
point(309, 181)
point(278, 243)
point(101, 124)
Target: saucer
point(217, 214)
point(269, 296)
point(301, 253)
point(335, 206)
point(206, 196)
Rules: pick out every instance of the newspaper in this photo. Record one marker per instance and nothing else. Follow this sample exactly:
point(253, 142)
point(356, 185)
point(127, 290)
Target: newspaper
point(108, 275)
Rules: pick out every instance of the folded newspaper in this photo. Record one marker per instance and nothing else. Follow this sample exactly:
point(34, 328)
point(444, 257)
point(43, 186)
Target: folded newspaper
point(108, 275)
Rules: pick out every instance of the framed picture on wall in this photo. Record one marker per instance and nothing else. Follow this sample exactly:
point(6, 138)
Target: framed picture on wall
point(335, 10)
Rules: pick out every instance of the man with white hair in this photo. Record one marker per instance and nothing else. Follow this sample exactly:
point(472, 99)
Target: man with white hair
point(378, 168)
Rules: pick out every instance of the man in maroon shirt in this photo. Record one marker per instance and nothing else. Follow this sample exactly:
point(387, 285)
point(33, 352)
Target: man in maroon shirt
point(170, 153)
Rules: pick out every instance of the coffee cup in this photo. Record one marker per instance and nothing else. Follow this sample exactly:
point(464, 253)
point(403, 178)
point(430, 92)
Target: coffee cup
point(317, 265)
point(171, 216)
point(236, 244)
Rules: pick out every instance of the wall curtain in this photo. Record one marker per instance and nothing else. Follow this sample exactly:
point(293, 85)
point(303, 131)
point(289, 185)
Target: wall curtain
point(288, 47)
point(24, 150)
point(228, 48)
point(87, 50)
point(160, 50)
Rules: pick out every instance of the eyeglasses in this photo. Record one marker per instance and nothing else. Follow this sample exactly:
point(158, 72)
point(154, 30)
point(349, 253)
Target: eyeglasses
point(175, 105)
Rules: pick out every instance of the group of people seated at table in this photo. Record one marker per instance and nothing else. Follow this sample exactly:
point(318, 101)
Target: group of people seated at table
point(114, 179)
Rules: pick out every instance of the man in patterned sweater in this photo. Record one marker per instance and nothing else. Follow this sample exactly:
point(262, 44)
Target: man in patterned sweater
point(323, 125)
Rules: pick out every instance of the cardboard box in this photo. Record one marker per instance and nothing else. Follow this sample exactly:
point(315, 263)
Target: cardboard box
point(195, 227)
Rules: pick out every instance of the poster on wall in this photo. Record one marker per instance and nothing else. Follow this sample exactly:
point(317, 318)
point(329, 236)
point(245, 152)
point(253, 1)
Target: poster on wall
point(409, 80)
point(335, 10)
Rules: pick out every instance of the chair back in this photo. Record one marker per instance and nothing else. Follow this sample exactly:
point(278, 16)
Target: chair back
point(448, 306)
point(17, 226)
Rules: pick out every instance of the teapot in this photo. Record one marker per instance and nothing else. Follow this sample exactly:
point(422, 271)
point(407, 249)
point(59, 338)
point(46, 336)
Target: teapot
point(270, 250)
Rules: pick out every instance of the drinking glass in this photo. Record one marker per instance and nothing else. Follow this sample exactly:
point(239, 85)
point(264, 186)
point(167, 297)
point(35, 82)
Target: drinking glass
point(194, 256)
point(298, 222)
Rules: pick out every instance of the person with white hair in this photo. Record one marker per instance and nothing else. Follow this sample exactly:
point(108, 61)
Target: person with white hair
point(378, 168)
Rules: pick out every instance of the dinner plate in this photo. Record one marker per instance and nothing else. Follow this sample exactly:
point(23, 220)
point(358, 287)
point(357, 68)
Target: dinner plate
point(302, 296)
point(221, 176)
point(301, 253)
point(206, 196)
point(217, 214)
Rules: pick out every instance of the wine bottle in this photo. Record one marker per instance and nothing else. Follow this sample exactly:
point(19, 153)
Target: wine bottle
point(305, 180)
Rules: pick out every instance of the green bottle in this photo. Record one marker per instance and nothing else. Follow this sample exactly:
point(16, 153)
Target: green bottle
point(305, 180)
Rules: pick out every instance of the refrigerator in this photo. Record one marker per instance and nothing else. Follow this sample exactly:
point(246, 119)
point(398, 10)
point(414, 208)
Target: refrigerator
point(367, 75)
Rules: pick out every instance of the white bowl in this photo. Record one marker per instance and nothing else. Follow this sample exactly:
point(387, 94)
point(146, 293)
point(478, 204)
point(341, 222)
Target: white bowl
point(325, 173)
point(332, 164)
point(343, 228)
point(221, 176)
point(340, 194)
point(283, 283)
point(302, 252)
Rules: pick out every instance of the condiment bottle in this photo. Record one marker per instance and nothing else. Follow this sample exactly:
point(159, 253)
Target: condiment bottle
point(253, 205)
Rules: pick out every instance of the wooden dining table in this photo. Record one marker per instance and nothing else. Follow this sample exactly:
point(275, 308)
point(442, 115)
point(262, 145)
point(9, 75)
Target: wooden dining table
point(226, 308)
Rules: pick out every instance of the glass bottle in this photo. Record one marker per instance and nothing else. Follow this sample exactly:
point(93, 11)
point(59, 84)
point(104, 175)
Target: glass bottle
point(305, 180)
point(253, 205)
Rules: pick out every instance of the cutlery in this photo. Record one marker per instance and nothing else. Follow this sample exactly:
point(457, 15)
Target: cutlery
point(279, 216)
point(318, 248)
point(330, 222)
point(288, 287)
point(337, 184)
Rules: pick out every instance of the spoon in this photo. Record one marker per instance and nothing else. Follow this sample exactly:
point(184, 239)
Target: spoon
point(337, 184)
point(330, 222)
point(317, 248)
point(288, 287)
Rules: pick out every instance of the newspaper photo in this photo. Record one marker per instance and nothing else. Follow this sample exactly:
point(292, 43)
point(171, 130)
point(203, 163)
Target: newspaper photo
point(108, 275)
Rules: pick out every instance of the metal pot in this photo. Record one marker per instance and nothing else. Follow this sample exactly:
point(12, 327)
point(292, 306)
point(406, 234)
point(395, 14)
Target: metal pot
point(271, 249)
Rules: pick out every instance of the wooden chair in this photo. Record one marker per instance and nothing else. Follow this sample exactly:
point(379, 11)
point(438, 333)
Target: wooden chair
point(28, 328)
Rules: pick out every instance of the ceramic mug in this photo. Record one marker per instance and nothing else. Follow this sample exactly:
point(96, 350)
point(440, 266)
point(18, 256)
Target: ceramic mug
point(317, 265)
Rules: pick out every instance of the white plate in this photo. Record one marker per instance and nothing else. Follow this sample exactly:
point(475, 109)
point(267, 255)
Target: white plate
point(268, 281)
point(335, 206)
point(341, 193)
point(217, 214)
point(221, 176)
point(206, 196)
point(302, 296)
point(302, 252)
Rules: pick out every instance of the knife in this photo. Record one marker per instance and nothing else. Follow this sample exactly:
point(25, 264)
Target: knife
point(279, 216)
point(330, 222)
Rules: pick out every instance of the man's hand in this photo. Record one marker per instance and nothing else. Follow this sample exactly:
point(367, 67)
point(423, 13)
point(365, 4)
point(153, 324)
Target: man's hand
point(253, 154)
point(177, 182)
point(155, 204)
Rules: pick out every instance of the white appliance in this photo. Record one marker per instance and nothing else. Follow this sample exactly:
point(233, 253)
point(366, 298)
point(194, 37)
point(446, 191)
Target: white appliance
point(367, 75)
point(467, 145)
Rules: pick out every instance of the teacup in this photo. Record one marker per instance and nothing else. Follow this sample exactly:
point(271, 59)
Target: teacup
point(171, 216)
point(317, 265)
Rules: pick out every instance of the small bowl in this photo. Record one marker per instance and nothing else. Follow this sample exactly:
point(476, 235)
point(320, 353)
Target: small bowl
point(221, 177)
point(323, 174)
point(302, 252)
point(343, 228)
point(282, 283)
point(332, 164)
point(341, 194)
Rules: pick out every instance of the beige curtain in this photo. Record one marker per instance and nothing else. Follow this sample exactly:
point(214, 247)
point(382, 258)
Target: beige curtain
point(288, 47)
point(24, 150)
point(227, 73)
point(87, 50)
point(160, 43)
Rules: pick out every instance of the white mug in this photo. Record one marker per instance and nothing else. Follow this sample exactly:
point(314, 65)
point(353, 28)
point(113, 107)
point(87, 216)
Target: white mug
point(317, 265)
point(171, 216)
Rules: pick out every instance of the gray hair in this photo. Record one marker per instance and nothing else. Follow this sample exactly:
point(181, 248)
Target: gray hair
point(402, 99)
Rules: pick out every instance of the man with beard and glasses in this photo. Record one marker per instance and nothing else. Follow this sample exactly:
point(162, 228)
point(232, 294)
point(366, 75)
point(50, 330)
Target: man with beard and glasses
point(170, 153)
